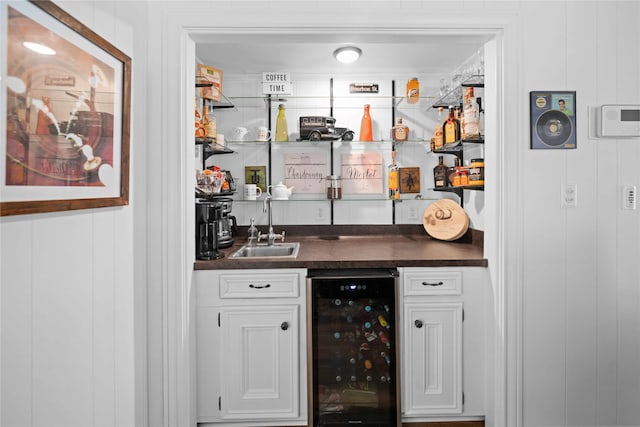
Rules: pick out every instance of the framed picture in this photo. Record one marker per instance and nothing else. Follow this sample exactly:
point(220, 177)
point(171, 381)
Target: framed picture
point(66, 109)
point(553, 119)
point(409, 180)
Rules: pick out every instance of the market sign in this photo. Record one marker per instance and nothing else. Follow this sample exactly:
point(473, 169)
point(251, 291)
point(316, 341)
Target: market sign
point(276, 83)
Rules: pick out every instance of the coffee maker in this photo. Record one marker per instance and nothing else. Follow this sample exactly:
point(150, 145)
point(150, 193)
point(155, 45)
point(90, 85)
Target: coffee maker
point(228, 225)
point(214, 214)
point(208, 216)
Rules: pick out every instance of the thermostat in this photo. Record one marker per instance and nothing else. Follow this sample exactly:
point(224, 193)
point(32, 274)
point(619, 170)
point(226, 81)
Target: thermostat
point(620, 121)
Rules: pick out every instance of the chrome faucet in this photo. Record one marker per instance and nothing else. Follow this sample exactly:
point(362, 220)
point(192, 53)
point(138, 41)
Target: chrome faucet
point(271, 236)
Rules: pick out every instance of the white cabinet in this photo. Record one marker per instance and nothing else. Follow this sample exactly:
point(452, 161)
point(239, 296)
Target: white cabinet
point(433, 358)
point(250, 334)
point(443, 343)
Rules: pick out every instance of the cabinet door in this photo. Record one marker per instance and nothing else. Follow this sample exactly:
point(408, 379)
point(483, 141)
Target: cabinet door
point(433, 358)
point(259, 366)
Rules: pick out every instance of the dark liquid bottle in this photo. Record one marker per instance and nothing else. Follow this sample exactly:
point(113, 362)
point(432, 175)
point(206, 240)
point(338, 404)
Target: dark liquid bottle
point(440, 174)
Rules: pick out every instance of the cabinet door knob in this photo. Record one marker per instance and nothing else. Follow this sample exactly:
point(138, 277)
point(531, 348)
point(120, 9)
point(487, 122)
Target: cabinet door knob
point(432, 284)
point(418, 323)
point(259, 286)
point(284, 326)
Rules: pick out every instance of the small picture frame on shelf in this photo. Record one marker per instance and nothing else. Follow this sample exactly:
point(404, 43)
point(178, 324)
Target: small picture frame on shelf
point(409, 180)
point(256, 175)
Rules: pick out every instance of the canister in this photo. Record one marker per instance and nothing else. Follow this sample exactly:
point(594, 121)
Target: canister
point(476, 172)
point(334, 187)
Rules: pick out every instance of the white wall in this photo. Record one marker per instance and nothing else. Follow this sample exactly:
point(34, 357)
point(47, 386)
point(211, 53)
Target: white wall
point(72, 296)
point(580, 272)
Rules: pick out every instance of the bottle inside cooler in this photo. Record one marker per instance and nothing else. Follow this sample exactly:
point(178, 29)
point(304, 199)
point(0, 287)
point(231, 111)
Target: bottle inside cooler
point(353, 335)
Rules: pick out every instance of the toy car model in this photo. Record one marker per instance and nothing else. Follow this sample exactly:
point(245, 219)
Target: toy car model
point(317, 128)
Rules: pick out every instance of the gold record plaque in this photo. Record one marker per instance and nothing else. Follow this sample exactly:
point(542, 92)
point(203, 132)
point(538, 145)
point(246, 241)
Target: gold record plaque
point(553, 119)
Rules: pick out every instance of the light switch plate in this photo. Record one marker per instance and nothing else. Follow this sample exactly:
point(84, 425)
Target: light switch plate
point(569, 195)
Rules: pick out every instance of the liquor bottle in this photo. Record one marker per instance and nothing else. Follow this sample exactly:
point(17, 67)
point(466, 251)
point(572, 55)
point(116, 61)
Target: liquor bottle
point(366, 130)
point(413, 90)
point(282, 134)
point(451, 128)
point(399, 132)
point(440, 174)
point(394, 178)
point(471, 111)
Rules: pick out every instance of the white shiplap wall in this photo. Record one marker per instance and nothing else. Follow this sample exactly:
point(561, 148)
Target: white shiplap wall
point(581, 278)
point(69, 285)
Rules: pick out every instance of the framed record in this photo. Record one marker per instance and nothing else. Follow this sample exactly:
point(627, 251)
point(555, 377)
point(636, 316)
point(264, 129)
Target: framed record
point(553, 119)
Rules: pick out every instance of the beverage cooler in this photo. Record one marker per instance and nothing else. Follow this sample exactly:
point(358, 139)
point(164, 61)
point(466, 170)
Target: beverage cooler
point(352, 348)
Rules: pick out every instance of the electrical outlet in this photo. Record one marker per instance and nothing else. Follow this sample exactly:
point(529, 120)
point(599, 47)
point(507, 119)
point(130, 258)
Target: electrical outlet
point(569, 195)
point(320, 214)
point(629, 197)
point(413, 212)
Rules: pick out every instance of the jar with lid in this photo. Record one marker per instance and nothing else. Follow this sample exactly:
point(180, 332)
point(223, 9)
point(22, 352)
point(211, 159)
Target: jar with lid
point(334, 187)
point(476, 172)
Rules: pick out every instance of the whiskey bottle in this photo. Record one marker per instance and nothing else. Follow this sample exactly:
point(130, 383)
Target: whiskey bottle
point(451, 128)
point(399, 132)
point(394, 178)
point(440, 174)
point(366, 130)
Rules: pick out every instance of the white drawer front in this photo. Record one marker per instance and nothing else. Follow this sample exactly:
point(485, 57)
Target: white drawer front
point(429, 282)
point(280, 285)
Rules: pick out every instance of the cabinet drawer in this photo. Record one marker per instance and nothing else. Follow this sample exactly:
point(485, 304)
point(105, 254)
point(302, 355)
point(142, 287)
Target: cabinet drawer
point(427, 282)
point(265, 285)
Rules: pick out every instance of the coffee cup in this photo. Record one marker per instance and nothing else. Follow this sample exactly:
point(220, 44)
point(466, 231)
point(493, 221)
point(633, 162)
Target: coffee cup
point(252, 192)
point(263, 134)
point(239, 133)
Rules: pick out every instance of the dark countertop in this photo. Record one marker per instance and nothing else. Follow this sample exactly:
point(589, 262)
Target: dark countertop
point(360, 247)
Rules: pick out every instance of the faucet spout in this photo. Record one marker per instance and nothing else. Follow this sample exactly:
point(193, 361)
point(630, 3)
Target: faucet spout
point(271, 236)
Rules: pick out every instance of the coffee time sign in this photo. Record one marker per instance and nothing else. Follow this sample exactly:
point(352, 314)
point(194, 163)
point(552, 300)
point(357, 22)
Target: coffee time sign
point(276, 83)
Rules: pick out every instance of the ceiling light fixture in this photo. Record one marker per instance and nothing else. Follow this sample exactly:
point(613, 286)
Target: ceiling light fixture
point(347, 54)
point(39, 48)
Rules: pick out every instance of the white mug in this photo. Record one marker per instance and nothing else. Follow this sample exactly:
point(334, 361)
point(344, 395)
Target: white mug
point(239, 133)
point(263, 134)
point(252, 192)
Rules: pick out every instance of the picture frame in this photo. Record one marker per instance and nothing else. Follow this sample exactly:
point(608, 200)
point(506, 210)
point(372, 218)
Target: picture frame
point(66, 110)
point(553, 119)
point(409, 180)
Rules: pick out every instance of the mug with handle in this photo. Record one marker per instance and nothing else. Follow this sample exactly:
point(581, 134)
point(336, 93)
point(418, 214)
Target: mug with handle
point(252, 192)
point(263, 134)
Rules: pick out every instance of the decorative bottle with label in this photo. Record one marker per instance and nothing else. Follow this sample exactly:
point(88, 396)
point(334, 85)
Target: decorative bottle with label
point(451, 128)
point(394, 178)
point(440, 174)
point(400, 132)
point(471, 111)
point(366, 130)
point(413, 90)
point(282, 133)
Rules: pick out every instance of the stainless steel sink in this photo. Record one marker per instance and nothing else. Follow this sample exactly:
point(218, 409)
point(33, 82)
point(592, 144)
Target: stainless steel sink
point(277, 250)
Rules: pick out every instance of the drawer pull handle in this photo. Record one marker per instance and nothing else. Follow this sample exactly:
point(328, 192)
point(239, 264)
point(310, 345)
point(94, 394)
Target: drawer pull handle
point(432, 284)
point(259, 286)
point(418, 323)
point(284, 326)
